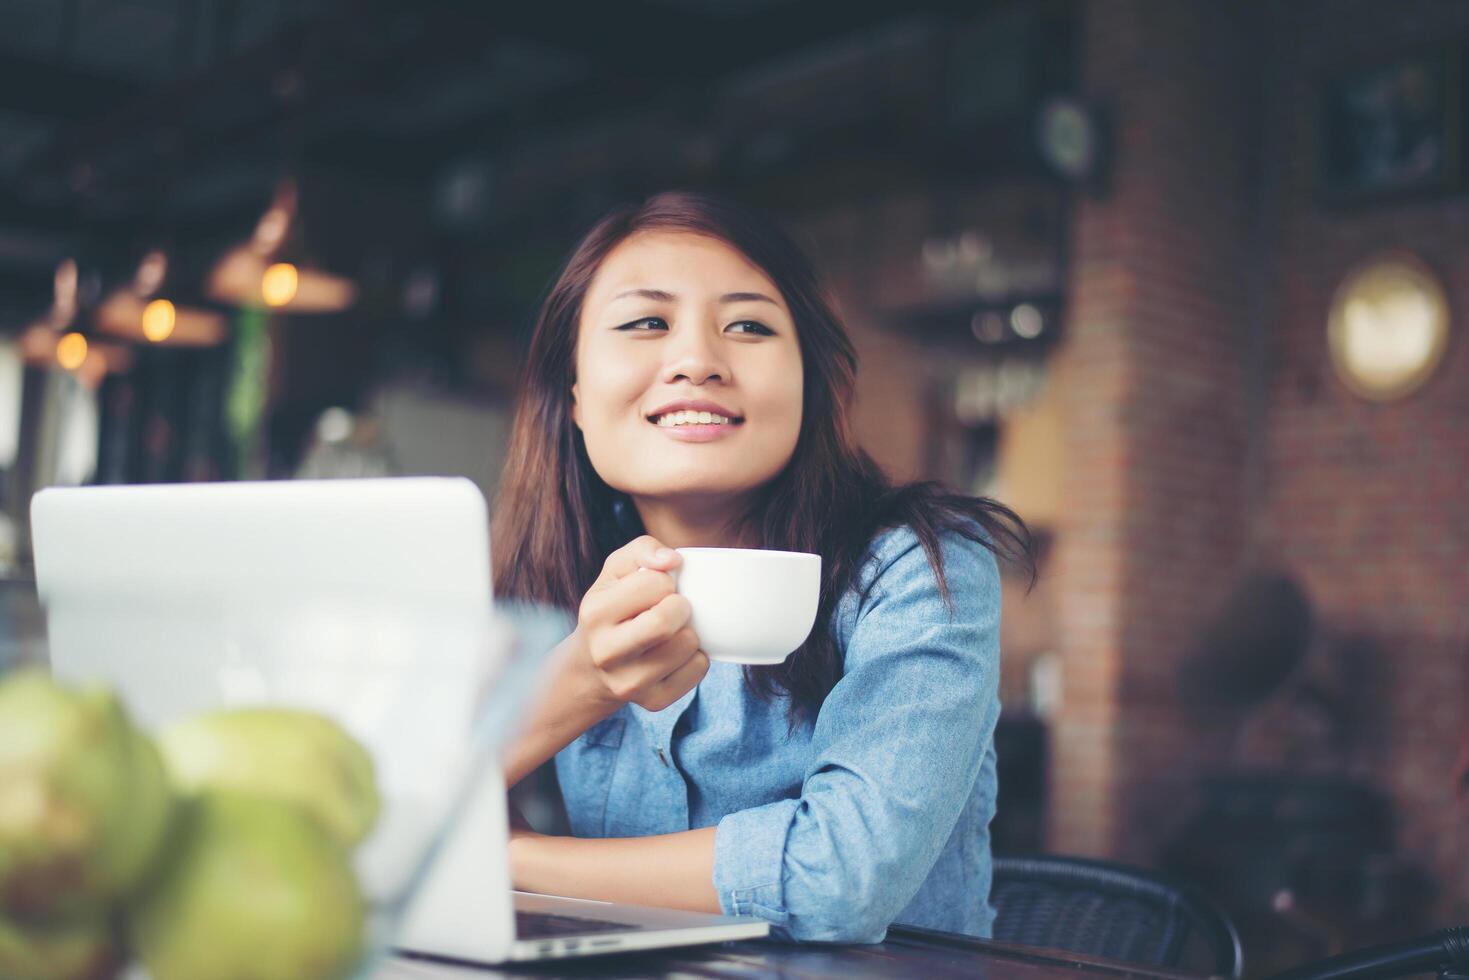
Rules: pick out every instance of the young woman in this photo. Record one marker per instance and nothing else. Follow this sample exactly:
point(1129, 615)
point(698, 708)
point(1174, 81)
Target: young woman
point(852, 786)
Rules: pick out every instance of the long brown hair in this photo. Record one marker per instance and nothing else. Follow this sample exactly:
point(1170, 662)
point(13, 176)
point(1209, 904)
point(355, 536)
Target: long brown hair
point(557, 521)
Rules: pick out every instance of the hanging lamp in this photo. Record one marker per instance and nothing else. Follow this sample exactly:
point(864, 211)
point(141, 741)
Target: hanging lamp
point(275, 269)
point(61, 339)
point(154, 308)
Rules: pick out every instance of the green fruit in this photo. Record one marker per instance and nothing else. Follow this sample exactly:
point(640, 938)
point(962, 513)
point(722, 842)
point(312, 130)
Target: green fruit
point(84, 800)
point(253, 888)
point(292, 755)
point(84, 949)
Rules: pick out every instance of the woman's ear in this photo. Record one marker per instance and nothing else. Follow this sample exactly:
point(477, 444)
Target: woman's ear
point(575, 407)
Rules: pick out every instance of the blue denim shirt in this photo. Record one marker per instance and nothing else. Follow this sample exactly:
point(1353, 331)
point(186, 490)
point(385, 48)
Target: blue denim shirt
point(878, 811)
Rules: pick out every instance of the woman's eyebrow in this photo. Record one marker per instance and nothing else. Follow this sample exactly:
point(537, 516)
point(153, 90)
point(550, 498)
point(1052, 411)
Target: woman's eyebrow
point(663, 296)
point(655, 294)
point(746, 297)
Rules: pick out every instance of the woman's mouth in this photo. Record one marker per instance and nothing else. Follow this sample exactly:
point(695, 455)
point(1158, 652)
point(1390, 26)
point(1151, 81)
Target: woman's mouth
point(692, 426)
point(687, 417)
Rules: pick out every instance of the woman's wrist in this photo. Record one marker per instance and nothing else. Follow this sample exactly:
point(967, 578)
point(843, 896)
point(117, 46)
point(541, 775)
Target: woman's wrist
point(590, 690)
point(525, 850)
point(672, 870)
point(575, 700)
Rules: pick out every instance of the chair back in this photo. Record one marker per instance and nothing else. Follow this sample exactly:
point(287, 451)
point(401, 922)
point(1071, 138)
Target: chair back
point(1113, 911)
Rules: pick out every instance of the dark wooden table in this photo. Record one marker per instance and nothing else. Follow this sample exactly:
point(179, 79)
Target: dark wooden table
point(909, 954)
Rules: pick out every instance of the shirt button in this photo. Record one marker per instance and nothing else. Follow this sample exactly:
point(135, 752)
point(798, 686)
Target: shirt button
point(661, 757)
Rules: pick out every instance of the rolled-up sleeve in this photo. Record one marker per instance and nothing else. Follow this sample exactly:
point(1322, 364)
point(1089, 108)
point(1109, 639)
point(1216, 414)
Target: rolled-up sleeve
point(896, 749)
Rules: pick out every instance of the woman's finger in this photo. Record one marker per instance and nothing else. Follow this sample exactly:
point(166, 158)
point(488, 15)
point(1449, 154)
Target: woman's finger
point(658, 661)
point(644, 552)
point(627, 597)
point(630, 640)
point(677, 684)
point(637, 677)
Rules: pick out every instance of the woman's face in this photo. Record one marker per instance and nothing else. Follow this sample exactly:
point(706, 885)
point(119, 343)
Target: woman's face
point(688, 371)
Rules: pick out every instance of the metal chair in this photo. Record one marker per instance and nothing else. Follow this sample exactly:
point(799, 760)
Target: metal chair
point(1113, 911)
point(1445, 952)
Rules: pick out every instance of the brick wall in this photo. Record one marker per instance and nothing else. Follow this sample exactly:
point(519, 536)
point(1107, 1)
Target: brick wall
point(1153, 385)
point(1369, 504)
point(1206, 431)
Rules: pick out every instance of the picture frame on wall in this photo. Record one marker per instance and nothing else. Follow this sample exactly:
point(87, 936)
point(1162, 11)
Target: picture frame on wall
point(1393, 127)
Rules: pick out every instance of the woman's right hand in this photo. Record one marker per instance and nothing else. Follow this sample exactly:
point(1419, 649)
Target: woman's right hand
point(633, 628)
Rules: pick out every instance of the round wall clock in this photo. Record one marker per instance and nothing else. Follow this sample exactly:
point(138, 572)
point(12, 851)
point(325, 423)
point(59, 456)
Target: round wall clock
point(1389, 327)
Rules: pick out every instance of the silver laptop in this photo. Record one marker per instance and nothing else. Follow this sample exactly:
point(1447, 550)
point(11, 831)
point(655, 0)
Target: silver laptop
point(190, 544)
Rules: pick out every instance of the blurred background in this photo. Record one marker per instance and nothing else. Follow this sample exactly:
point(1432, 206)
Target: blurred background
point(1184, 282)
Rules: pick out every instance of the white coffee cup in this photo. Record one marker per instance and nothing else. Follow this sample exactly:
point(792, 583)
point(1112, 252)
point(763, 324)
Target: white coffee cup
point(749, 606)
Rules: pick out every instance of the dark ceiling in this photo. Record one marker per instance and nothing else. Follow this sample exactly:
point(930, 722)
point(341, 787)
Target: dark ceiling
point(115, 112)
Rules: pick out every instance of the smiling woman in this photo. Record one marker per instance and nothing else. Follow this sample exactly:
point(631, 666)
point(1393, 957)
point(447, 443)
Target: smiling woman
point(689, 384)
point(710, 339)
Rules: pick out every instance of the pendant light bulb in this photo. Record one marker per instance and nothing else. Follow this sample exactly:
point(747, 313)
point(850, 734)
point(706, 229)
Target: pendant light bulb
point(279, 283)
point(159, 319)
point(71, 351)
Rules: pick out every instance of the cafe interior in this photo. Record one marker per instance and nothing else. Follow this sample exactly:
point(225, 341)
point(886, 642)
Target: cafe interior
point(1184, 283)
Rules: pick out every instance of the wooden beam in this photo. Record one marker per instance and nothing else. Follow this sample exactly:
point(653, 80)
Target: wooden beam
point(48, 91)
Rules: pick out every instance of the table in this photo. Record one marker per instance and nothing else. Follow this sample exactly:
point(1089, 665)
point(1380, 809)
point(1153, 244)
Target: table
point(908, 953)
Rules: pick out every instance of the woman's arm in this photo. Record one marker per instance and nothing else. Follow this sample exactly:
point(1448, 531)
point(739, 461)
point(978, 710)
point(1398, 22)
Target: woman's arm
point(672, 871)
point(899, 752)
point(572, 702)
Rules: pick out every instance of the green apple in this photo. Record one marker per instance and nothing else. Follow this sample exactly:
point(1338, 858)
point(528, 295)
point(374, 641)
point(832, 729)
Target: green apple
point(84, 799)
point(253, 888)
point(293, 755)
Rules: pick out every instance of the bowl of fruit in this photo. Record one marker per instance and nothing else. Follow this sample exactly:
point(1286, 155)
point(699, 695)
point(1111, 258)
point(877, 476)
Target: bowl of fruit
point(263, 805)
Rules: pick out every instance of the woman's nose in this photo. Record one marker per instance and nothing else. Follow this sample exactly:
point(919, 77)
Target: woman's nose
point(695, 356)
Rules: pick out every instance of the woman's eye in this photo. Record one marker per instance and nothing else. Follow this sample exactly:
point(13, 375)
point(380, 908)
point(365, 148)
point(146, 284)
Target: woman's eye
point(652, 323)
point(752, 326)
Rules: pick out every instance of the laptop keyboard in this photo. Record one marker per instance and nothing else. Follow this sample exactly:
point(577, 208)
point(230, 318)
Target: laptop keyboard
point(543, 925)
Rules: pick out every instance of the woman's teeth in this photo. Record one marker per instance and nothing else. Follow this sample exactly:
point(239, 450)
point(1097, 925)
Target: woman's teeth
point(691, 418)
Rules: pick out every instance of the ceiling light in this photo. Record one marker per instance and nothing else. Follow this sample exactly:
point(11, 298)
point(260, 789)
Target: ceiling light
point(137, 312)
point(274, 268)
point(279, 283)
point(127, 316)
point(159, 318)
point(71, 351)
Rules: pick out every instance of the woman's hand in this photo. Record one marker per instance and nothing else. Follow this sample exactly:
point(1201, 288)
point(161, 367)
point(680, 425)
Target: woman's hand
point(633, 629)
point(632, 643)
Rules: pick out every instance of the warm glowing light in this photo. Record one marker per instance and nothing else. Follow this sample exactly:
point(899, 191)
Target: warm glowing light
point(239, 276)
point(159, 318)
point(71, 351)
point(1389, 327)
point(278, 285)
